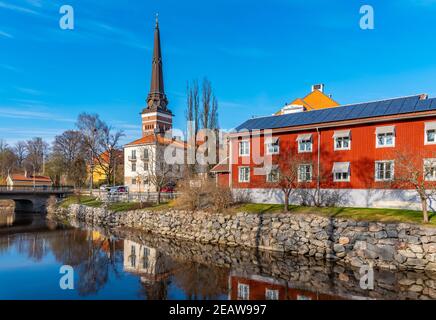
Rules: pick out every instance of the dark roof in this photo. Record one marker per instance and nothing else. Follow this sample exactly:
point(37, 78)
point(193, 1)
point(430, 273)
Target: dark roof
point(348, 112)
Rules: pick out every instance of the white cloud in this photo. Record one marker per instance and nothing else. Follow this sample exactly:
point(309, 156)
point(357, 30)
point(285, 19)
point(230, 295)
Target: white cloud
point(20, 113)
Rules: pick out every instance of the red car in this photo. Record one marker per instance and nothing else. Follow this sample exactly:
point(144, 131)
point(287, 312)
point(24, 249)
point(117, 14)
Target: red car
point(168, 189)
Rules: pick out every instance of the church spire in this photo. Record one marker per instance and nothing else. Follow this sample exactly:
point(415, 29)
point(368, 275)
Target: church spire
point(157, 100)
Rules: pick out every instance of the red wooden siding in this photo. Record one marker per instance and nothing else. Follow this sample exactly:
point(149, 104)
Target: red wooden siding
point(409, 136)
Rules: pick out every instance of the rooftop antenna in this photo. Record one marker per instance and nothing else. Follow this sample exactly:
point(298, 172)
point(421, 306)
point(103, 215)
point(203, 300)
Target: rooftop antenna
point(157, 19)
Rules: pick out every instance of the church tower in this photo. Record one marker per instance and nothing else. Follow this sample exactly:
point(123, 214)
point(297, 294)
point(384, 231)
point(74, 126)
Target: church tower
point(156, 117)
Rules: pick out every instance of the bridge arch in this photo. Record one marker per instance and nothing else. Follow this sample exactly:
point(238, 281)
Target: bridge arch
point(24, 205)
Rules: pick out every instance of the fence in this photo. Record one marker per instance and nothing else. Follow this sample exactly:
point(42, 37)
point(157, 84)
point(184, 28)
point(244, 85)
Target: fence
point(36, 189)
point(135, 196)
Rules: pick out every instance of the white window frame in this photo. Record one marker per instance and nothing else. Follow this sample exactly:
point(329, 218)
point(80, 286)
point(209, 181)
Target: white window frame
point(433, 168)
point(299, 172)
point(241, 154)
point(343, 180)
point(133, 167)
point(269, 175)
point(240, 176)
point(429, 126)
point(302, 142)
point(272, 148)
point(133, 154)
point(271, 294)
point(377, 134)
point(392, 170)
point(243, 291)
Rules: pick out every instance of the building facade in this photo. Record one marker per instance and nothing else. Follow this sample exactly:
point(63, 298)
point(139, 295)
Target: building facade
point(347, 152)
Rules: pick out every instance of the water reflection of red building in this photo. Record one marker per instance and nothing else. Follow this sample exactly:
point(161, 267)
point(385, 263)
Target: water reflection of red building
point(255, 287)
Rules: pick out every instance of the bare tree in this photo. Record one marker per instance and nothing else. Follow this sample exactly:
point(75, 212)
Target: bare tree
point(413, 171)
point(92, 129)
point(285, 176)
point(7, 159)
point(20, 151)
point(37, 152)
point(111, 157)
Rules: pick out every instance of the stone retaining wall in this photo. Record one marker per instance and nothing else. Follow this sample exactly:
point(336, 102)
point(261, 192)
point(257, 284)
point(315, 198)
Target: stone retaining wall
point(384, 245)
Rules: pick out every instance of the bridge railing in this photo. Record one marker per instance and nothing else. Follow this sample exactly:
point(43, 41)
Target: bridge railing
point(36, 189)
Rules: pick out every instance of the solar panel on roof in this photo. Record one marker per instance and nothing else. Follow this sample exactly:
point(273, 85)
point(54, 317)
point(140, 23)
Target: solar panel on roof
point(395, 106)
point(409, 105)
point(362, 110)
point(423, 105)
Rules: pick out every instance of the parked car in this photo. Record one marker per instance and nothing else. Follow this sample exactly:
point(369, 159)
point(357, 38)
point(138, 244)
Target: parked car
point(118, 189)
point(169, 188)
point(104, 187)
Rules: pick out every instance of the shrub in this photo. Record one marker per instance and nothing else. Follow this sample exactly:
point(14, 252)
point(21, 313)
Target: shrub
point(197, 194)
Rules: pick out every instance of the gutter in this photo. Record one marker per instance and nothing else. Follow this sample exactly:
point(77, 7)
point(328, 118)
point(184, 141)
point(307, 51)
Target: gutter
point(318, 179)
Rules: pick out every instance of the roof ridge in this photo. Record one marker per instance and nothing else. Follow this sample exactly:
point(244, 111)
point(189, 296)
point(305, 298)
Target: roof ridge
point(340, 106)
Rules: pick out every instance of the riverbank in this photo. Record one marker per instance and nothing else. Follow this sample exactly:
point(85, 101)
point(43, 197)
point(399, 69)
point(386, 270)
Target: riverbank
point(394, 246)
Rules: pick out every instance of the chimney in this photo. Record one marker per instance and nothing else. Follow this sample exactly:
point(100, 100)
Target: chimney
point(319, 87)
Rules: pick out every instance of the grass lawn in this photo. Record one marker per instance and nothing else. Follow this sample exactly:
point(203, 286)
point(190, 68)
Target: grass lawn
point(385, 215)
point(85, 200)
point(129, 206)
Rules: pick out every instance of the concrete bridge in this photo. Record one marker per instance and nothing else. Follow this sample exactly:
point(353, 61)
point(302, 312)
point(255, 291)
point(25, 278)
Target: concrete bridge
point(33, 199)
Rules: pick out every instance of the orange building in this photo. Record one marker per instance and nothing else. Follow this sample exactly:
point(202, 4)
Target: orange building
point(315, 100)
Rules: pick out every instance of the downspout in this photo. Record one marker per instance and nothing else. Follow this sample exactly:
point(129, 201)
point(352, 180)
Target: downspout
point(318, 184)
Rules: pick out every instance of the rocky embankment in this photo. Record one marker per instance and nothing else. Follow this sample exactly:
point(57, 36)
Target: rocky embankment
point(384, 245)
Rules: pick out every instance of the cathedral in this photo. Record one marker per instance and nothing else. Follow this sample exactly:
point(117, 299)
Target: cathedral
point(145, 169)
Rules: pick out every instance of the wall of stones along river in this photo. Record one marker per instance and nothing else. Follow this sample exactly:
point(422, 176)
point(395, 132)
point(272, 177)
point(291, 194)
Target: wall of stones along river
point(384, 245)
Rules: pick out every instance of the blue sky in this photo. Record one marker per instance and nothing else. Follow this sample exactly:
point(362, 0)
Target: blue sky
point(257, 54)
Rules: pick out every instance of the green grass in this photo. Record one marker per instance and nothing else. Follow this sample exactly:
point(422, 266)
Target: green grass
point(85, 200)
point(366, 214)
point(129, 206)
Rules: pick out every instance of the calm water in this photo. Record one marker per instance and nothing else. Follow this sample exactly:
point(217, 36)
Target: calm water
point(124, 264)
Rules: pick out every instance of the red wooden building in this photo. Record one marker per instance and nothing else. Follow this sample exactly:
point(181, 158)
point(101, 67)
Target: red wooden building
point(349, 151)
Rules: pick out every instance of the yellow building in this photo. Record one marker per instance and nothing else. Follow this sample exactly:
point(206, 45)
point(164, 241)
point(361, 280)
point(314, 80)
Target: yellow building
point(315, 100)
point(101, 164)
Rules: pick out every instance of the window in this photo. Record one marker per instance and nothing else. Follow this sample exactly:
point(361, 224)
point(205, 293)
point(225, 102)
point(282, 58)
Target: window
point(305, 173)
point(430, 169)
point(272, 294)
point(133, 154)
point(430, 133)
point(244, 174)
point(304, 143)
point(145, 166)
point(145, 155)
point(303, 297)
point(384, 170)
point(145, 258)
point(244, 148)
point(133, 256)
point(342, 140)
point(134, 181)
point(272, 146)
point(385, 137)
point(146, 181)
point(133, 167)
point(341, 171)
point(243, 291)
point(273, 175)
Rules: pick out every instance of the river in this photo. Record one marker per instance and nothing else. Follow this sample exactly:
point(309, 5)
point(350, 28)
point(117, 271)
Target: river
point(127, 264)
